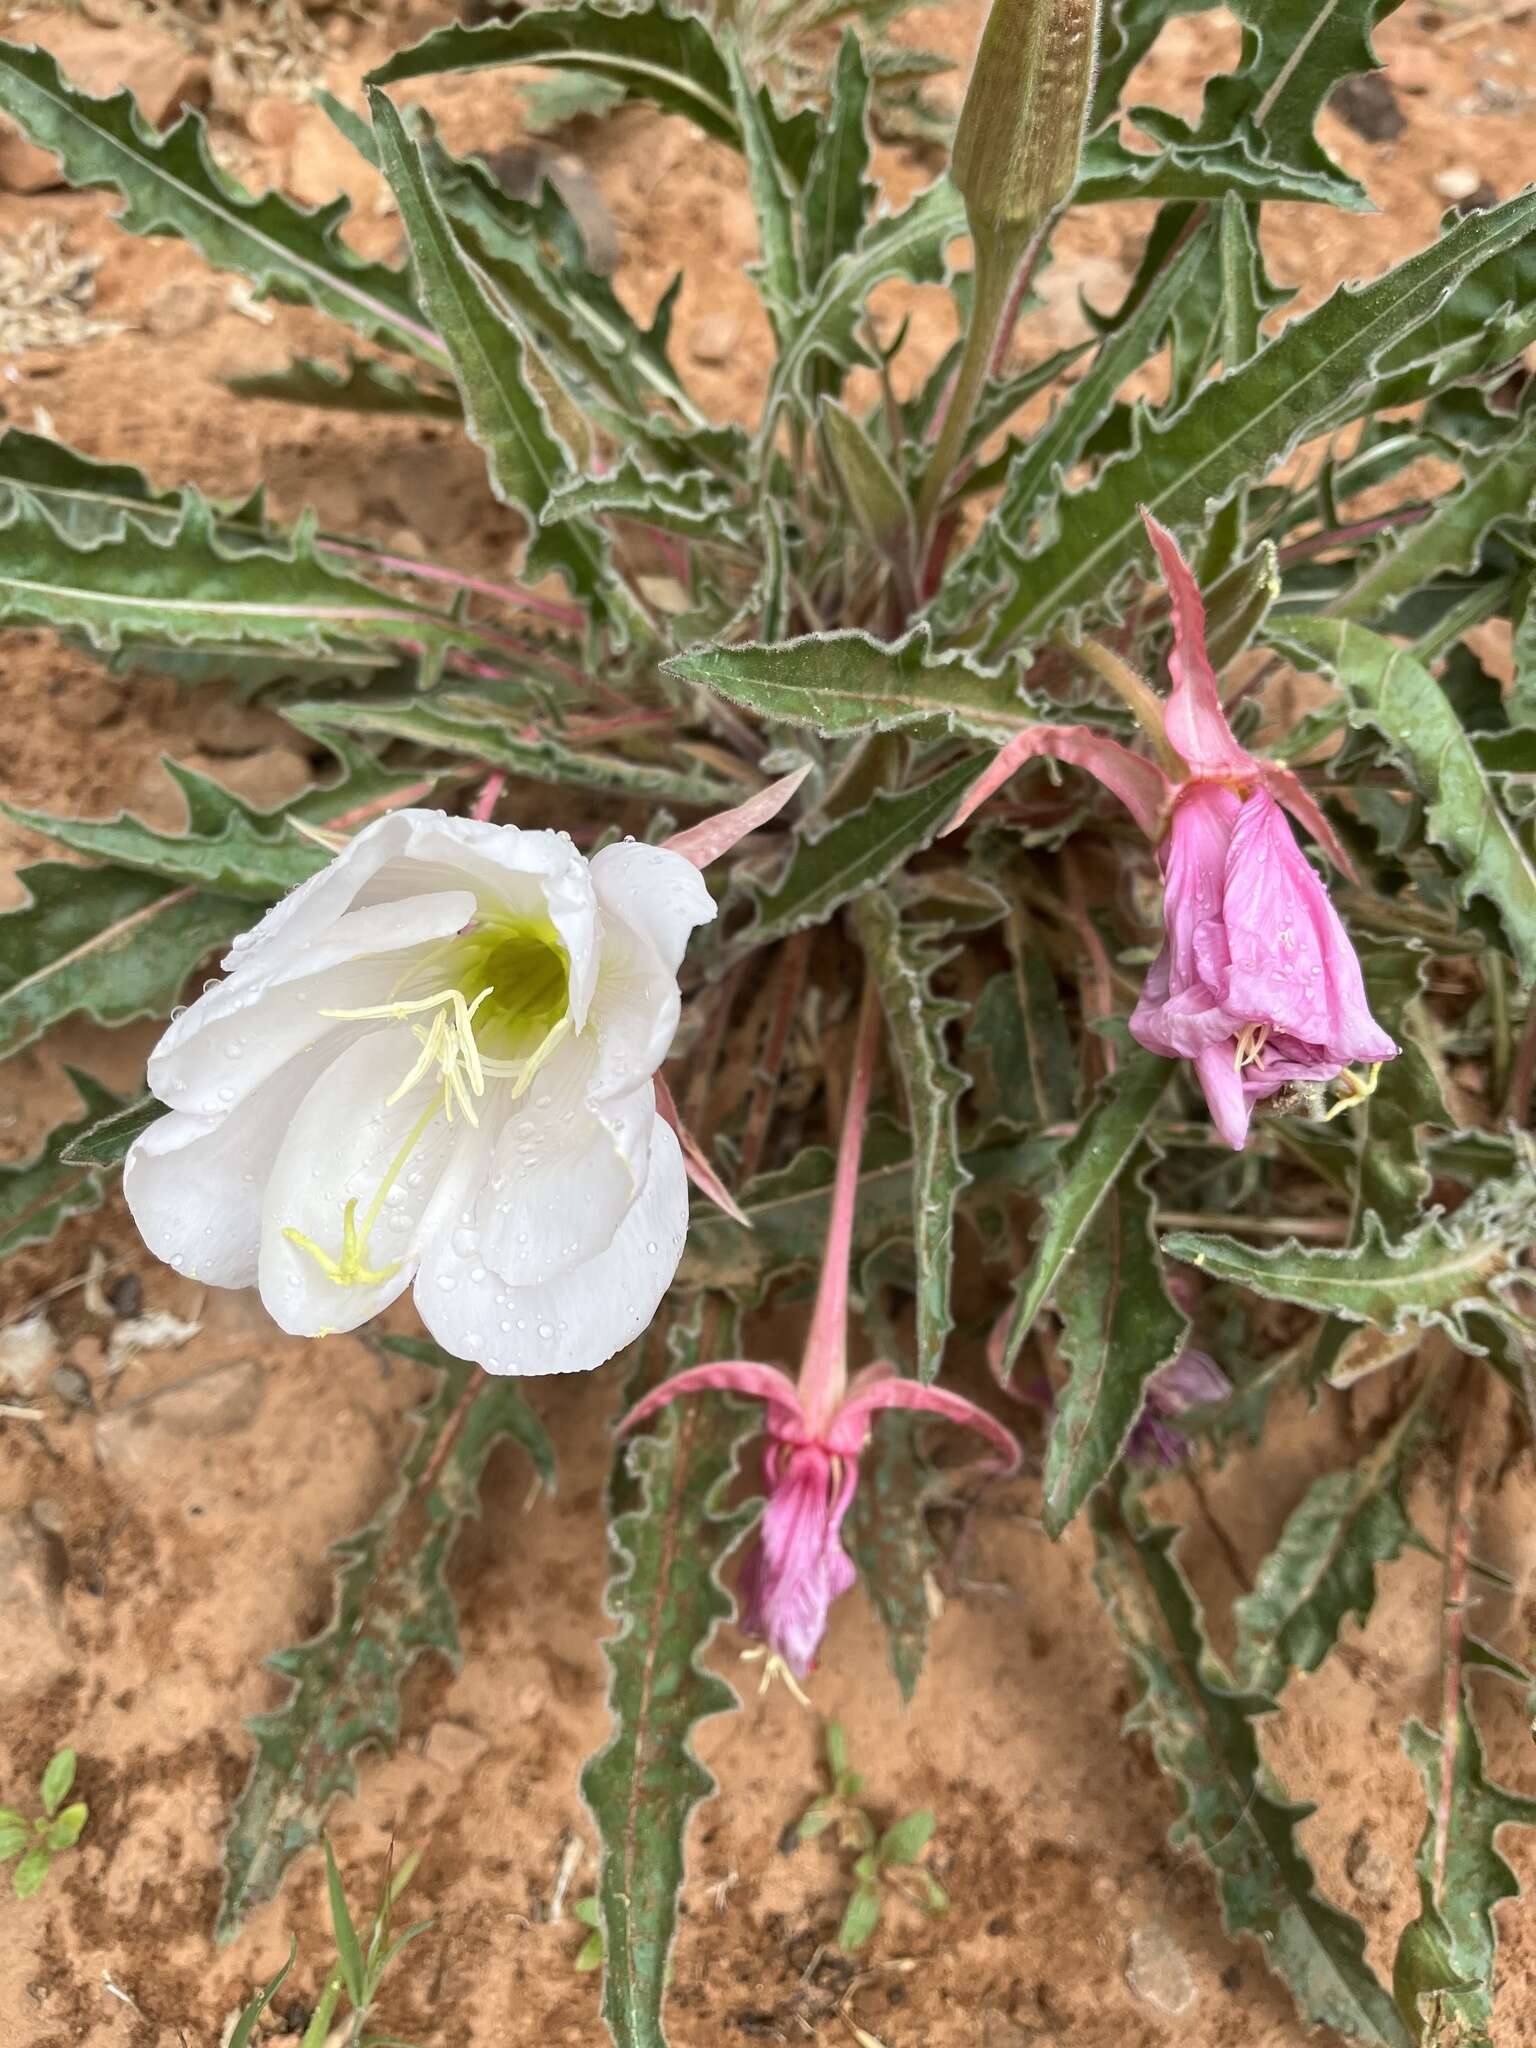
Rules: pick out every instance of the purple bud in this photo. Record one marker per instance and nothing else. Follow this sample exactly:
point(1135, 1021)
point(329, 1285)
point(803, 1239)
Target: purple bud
point(1191, 1379)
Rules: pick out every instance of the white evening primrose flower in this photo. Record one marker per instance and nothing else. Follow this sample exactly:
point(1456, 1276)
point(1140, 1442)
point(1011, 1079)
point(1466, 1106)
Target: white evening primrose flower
point(432, 1064)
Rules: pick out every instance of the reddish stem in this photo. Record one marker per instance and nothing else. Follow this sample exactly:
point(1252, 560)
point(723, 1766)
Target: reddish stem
point(824, 1368)
point(792, 963)
point(490, 795)
point(434, 572)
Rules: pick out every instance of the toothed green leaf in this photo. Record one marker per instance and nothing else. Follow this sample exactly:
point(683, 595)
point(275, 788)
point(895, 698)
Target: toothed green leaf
point(1396, 695)
point(392, 1604)
point(903, 960)
point(670, 1530)
point(1323, 369)
point(1444, 1975)
point(357, 385)
point(1432, 1277)
point(888, 1539)
point(171, 185)
point(41, 1193)
point(1203, 1734)
point(1117, 1328)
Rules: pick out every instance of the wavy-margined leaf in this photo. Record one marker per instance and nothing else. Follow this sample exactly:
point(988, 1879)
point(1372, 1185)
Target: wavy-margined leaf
point(1443, 1975)
point(115, 943)
point(1434, 1276)
point(1091, 1163)
point(105, 1141)
point(171, 185)
point(695, 504)
point(1498, 489)
point(1322, 1571)
point(228, 848)
point(503, 414)
point(459, 722)
point(1321, 369)
point(1084, 408)
point(107, 943)
point(392, 1603)
point(889, 1540)
point(873, 492)
point(357, 385)
point(909, 244)
point(788, 1209)
point(1203, 1735)
point(857, 853)
point(1386, 1172)
point(40, 1194)
point(670, 60)
point(1117, 1328)
point(184, 582)
point(1256, 131)
point(838, 196)
point(845, 684)
point(1392, 692)
point(903, 958)
point(670, 1530)
point(777, 273)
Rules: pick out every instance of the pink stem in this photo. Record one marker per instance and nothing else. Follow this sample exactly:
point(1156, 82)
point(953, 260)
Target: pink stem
point(490, 795)
point(824, 1368)
point(1362, 529)
point(434, 572)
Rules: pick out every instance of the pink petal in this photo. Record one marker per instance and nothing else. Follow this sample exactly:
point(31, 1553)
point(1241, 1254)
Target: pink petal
point(1196, 724)
point(798, 1566)
point(1229, 1102)
point(705, 842)
point(695, 1161)
point(1140, 785)
point(1292, 965)
point(1286, 787)
point(850, 1426)
point(727, 1376)
point(1180, 1009)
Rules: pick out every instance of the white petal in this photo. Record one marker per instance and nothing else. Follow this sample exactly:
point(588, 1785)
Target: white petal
point(634, 1012)
point(338, 1148)
point(194, 1185)
point(242, 1030)
point(564, 1173)
point(658, 894)
point(412, 853)
point(573, 1323)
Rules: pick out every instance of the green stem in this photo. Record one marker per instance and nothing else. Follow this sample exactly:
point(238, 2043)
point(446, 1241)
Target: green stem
point(999, 252)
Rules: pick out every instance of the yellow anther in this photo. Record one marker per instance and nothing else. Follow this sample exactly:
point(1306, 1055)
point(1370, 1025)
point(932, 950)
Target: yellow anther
point(1356, 1091)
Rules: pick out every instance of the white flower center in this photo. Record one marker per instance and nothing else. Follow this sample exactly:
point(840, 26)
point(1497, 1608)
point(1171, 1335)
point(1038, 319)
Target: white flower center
point(500, 1007)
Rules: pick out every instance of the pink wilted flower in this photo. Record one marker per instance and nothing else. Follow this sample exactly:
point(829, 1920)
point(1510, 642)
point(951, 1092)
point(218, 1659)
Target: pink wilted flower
point(817, 1427)
point(1257, 982)
point(1187, 1381)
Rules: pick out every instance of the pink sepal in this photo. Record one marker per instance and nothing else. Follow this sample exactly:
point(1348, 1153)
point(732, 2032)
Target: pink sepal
point(1140, 785)
point(728, 1376)
point(850, 1426)
point(695, 1162)
point(1196, 724)
point(706, 842)
point(1287, 788)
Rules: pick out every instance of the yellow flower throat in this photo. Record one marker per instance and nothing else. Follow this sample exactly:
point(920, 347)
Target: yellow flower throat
point(497, 1002)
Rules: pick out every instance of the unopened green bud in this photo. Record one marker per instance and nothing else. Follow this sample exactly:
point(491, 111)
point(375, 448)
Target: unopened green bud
point(1021, 128)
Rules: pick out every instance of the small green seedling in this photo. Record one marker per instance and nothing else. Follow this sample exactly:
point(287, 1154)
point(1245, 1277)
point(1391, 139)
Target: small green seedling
point(357, 1972)
point(590, 1955)
point(883, 1860)
point(38, 1841)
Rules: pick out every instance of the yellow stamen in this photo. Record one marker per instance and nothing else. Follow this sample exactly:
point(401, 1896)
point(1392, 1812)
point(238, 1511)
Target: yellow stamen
point(351, 1269)
point(1356, 1091)
point(775, 1667)
point(1251, 1042)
